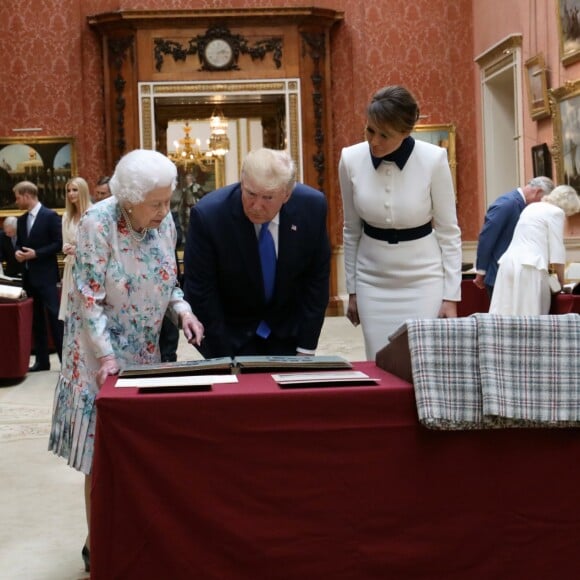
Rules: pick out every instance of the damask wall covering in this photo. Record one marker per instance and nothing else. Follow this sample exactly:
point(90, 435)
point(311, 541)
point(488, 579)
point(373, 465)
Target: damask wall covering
point(52, 72)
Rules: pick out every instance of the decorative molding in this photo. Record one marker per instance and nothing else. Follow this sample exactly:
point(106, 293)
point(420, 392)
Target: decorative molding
point(118, 48)
point(198, 44)
point(314, 45)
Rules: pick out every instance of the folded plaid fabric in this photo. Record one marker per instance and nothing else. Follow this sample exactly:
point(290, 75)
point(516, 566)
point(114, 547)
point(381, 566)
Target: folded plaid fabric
point(529, 367)
point(492, 371)
point(445, 372)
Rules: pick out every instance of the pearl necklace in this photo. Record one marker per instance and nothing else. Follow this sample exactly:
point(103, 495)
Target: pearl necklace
point(137, 236)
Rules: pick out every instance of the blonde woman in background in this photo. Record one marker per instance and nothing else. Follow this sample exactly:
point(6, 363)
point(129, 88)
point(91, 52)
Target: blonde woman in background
point(522, 285)
point(78, 200)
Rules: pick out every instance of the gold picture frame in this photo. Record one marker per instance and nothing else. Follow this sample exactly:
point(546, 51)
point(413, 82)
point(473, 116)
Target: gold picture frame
point(537, 85)
point(565, 105)
point(49, 162)
point(567, 12)
point(443, 136)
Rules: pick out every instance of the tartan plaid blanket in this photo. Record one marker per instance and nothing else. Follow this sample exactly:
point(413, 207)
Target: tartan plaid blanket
point(491, 371)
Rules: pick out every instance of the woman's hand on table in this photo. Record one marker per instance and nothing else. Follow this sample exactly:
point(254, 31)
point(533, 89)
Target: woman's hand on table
point(108, 367)
point(192, 328)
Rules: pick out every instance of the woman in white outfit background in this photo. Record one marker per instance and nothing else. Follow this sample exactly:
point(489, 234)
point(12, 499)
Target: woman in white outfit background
point(522, 284)
point(402, 244)
point(78, 200)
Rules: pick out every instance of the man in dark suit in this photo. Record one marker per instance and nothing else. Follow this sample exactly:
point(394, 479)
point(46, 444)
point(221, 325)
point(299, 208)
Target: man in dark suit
point(499, 225)
point(8, 247)
point(39, 239)
point(241, 312)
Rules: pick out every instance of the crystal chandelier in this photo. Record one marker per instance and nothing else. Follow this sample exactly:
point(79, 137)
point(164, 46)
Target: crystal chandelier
point(219, 143)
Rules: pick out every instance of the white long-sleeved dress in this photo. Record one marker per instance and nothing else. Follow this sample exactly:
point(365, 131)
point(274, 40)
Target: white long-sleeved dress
point(69, 236)
point(396, 282)
point(522, 286)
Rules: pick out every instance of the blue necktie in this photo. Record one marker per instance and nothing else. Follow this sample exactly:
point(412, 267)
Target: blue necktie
point(268, 260)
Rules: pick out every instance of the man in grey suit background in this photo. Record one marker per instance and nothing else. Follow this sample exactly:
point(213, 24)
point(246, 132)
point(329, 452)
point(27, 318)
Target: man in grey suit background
point(39, 239)
point(265, 224)
point(498, 228)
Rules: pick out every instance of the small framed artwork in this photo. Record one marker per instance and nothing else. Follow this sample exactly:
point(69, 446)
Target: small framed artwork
point(568, 30)
point(49, 162)
point(537, 83)
point(565, 105)
point(443, 136)
point(542, 160)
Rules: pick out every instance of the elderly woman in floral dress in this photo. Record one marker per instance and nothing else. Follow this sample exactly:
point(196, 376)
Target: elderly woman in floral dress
point(124, 281)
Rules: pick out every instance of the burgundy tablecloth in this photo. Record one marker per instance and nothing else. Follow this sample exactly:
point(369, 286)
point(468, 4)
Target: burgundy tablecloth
point(251, 482)
point(474, 299)
point(15, 338)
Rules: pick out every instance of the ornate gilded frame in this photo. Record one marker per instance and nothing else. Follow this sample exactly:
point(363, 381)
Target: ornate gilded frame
point(443, 136)
point(568, 31)
point(565, 106)
point(47, 161)
point(220, 92)
point(537, 86)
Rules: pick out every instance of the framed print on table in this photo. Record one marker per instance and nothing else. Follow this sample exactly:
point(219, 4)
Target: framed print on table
point(49, 162)
point(568, 12)
point(537, 83)
point(541, 160)
point(565, 102)
point(443, 136)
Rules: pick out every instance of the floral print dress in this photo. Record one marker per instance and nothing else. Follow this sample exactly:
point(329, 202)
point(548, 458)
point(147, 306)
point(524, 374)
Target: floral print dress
point(122, 288)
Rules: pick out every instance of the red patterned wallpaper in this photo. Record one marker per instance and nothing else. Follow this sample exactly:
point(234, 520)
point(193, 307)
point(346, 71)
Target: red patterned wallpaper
point(52, 72)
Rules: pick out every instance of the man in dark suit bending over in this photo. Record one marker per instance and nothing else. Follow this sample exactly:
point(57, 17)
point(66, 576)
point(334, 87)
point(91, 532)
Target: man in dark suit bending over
point(257, 262)
point(39, 239)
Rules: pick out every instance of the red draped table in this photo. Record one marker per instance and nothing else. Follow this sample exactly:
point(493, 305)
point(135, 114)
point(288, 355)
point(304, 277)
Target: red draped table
point(15, 338)
point(249, 481)
point(474, 299)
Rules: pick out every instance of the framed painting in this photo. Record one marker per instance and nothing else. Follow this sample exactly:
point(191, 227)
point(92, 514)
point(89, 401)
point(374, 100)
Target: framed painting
point(568, 12)
point(565, 102)
point(49, 162)
point(541, 160)
point(443, 136)
point(537, 83)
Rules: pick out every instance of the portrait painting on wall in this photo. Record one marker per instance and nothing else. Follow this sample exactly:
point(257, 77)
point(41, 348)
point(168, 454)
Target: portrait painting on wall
point(537, 83)
point(541, 160)
point(568, 16)
point(48, 162)
point(566, 101)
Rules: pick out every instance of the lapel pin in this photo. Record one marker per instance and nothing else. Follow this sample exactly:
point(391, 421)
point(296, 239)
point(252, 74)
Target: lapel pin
point(293, 228)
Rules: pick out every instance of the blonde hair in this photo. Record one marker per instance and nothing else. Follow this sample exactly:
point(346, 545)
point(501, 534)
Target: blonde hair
point(566, 198)
point(84, 202)
point(273, 169)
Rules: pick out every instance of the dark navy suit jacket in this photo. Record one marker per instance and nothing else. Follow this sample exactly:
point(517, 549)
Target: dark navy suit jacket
point(46, 239)
point(13, 267)
point(497, 232)
point(223, 280)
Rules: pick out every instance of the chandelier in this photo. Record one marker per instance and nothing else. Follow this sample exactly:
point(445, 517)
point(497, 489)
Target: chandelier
point(187, 149)
point(219, 143)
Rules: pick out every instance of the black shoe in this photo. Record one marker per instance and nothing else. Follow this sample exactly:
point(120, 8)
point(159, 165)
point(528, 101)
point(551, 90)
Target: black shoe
point(39, 367)
point(86, 558)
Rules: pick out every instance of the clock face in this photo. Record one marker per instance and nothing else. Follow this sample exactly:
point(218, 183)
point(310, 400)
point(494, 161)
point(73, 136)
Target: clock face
point(218, 53)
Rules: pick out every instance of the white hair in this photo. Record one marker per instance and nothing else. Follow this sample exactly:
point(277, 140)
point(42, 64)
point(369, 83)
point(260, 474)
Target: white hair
point(10, 221)
point(140, 172)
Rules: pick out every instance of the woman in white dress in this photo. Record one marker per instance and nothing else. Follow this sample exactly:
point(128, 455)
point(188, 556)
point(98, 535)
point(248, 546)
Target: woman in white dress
point(402, 244)
point(522, 285)
point(78, 200)
point(124, 281)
